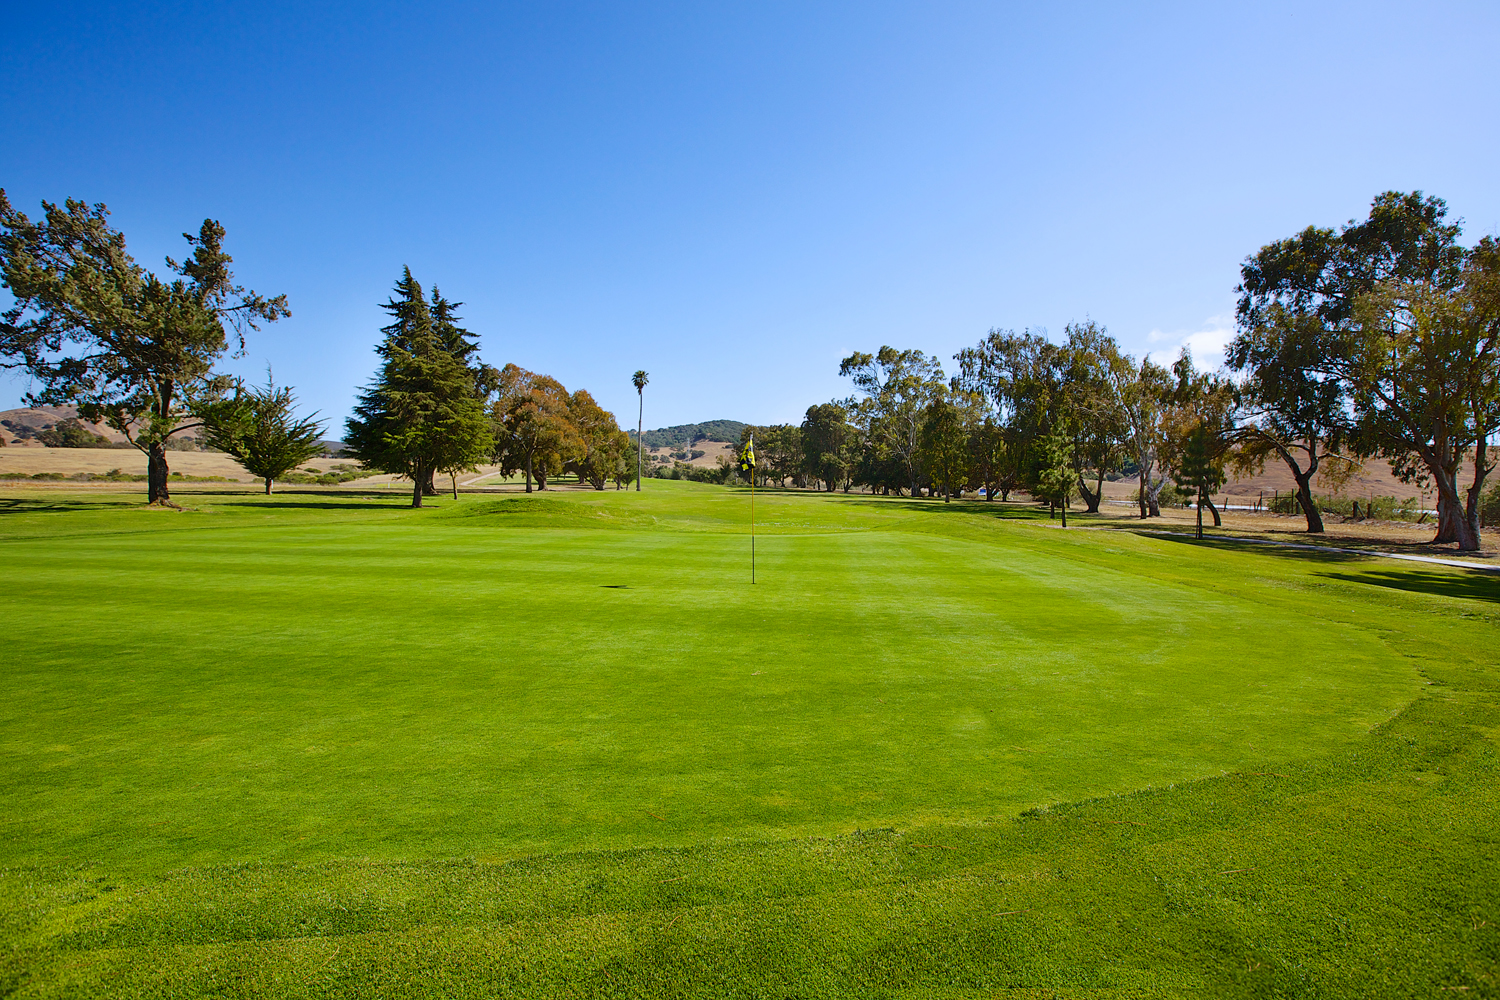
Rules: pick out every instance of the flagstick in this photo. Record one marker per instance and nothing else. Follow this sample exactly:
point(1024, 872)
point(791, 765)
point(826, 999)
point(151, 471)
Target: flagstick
point(752, 524)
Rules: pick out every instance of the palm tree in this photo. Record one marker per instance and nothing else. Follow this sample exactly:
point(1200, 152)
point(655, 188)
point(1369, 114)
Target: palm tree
point(639, 380)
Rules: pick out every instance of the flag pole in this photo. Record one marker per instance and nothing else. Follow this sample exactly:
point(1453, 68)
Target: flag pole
point(747, 467)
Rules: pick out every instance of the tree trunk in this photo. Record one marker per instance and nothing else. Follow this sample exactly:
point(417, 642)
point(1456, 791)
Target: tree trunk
point(429, 486)
point(455, 484)
point(1305, 498)
point(156, 474)
point(416, 489)
point(1476, 494)
point(1214, 511)
point(1454, 524)
point(528, 475)
point(1064, 508)
point(1141, 494)
point(1091, 498)
point(1153, 498)
point(1199, 505)
point(1450, 511)
point(268, 486)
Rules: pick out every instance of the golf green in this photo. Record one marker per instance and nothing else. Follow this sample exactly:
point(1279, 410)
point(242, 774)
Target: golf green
point(325, 679)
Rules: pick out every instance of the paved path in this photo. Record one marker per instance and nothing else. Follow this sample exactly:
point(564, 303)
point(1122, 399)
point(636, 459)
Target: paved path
point(1481, 567)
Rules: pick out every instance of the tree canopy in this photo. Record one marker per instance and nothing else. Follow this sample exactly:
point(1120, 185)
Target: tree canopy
point(97, 329)
point(423, 412)
point(259, 429)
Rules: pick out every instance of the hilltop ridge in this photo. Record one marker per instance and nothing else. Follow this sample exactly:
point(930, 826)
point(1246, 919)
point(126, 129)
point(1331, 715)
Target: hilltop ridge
point(682, 435)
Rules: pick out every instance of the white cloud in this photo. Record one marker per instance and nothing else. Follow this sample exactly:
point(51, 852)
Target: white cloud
point(1207, 343)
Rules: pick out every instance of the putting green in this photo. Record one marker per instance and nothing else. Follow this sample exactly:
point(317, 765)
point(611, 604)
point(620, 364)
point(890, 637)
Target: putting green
point(310, 677)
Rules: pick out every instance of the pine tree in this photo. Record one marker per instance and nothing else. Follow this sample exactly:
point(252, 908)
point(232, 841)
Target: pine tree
point(1055, 478)
point(259, 430)
point(1201, 469)
point(422, 414)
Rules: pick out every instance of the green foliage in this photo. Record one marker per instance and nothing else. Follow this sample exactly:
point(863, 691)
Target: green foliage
point(1053, 479)
point(604, 450)
point(725, 472)
point(259, 430)
point(681, 435)
point(97, 329)
point(71, 433)
point(895, 388)
point(827, 439)
point(1385, 333)
point(945, 453)
point(534, 430)
point(424, 413)
point(1490, 507)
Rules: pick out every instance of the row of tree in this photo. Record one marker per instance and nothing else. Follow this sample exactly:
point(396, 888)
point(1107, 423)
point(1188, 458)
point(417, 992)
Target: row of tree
point(1381, 339)
point(434, 408)
point(91, 326)
point(1378, 341)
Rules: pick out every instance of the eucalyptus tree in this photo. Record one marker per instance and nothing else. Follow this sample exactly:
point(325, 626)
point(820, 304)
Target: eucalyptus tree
point(1398, 316)
point(1142, 392)
point(824, 436)
point(994, 460)
point(945, 440)
point(896, 387)
point(1424, 360)
point(1099, 425)
point(601, 443)
point(96, 329)
point(1201, 433)
point(534, 429)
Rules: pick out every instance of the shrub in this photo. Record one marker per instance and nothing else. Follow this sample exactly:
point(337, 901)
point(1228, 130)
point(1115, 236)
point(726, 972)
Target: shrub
point(1489, 506)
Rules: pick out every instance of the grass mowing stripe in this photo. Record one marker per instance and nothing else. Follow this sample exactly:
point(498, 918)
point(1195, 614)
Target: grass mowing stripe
point(621, 769)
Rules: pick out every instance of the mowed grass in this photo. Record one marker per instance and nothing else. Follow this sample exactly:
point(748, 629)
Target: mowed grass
point(559, 744)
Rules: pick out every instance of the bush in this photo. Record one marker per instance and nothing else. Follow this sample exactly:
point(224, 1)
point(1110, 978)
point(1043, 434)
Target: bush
point(693, 473)
point(72, 433)
point(1489, 507)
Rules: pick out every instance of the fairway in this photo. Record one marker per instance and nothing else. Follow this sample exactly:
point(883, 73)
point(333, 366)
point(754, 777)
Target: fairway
point(295, 689)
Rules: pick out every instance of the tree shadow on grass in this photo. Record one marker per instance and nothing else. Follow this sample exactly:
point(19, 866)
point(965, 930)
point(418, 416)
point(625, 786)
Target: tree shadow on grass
point(326, 505)
point(35, 505)
point(1479, 584)
point(1468, 585)
point(1283, 550)
point(1008, 511)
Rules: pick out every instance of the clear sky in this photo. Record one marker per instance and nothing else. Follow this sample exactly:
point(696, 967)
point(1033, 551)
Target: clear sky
point(734, 196)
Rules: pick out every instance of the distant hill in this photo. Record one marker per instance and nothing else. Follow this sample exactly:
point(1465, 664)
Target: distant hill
point(683, 435)
point(22, 425)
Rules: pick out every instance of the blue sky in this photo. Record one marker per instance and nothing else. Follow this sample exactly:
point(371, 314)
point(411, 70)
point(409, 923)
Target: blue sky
point(734, 196)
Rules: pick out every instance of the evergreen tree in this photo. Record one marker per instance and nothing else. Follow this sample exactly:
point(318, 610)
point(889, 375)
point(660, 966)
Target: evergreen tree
point(1200, 471)
point(1054, 478)
point(95, 328)
point(259, 430)
point(422, 414)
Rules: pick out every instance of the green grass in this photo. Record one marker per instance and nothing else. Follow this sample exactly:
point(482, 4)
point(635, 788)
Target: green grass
point(317, 744)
